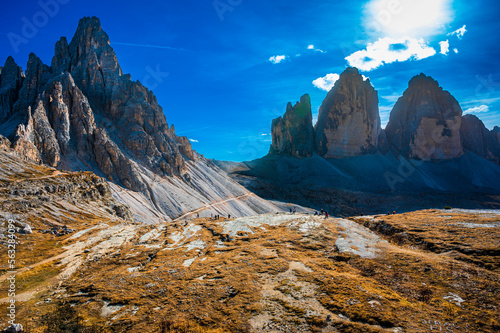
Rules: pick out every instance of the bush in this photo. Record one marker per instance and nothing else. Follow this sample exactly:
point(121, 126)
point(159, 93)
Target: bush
point(66, 320)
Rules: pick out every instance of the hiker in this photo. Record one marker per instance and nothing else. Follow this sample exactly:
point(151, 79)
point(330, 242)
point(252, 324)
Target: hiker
point(290, 210)
point(394, 213)
point(322, 211)
point(197, 215)
point(229, 216)
point(326, 215)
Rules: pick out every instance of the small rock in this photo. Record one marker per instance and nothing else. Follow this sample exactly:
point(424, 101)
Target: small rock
point(14, 328)
point(27, 230)
point(454, 298)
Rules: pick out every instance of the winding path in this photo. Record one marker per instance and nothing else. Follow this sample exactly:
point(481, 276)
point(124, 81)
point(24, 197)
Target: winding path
point(212, 205)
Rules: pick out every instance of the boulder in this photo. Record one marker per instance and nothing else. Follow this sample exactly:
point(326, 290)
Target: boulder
point(14, 328)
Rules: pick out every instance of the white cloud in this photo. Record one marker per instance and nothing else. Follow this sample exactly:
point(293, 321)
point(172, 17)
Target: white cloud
point(193, 140)
point(364, 77)
point(264, 134)
point(392, 98)
point(477, 109)
point(445, 47)
point(277, 59)
point(459, 32)
point(385, 112)
point(388, 50)
point(485, 100)
point(455, 50)
point(401, 18)
point(327, 82)
point(312, 47)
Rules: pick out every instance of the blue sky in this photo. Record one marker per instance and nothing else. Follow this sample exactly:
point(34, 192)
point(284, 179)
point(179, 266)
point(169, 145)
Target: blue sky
point(225, 68)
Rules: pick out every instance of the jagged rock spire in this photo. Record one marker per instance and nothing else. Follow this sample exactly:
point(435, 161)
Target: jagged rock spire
point(292, 134)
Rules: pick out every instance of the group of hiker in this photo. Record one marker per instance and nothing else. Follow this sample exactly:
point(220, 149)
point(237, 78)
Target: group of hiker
point(322, 213)
point(216, 216)
point(213, 217)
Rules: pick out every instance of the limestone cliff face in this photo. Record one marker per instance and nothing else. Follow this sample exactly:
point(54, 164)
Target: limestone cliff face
point(349, 121)
point(496, 133)
point(11, 80)
point(83, 113)
point(292, 134)
point(425, 122)
point(478, 139)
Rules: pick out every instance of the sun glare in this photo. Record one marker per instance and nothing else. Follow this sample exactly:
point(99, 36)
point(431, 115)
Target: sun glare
point(410, 18)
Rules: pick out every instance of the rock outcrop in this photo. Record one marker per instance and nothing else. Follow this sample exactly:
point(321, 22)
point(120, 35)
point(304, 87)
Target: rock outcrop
point(292, 134)
point(478, 139)
point(425, 122)
point(348, 122)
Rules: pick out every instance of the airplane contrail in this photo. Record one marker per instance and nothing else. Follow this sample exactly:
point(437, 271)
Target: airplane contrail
point(149, 45)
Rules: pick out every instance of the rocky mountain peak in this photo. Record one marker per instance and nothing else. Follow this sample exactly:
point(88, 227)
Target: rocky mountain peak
point(11, 80)
point(89, 58)
point(37, 75)
point(89, 35)
point(478, 139)
point(349, 121)
point(425, 122)
point(292, 134)
point(81, 113)
point(423, 80)
point(61, 59)
point(11, 74)
point(496, 133)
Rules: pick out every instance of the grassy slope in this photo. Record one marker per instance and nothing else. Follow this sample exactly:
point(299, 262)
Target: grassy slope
point(283, 278)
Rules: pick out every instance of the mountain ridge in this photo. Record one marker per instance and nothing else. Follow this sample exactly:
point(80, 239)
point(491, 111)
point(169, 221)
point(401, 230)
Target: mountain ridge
point(82, 113)
point(425, 123)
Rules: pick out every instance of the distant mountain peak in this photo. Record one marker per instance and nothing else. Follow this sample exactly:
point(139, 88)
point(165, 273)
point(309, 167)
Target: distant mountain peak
point(350, 107)
point(90, 29)
point(425, 122)
point(422, 80)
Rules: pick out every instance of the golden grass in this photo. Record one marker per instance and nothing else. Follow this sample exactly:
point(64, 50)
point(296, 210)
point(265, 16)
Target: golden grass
point(404, 287)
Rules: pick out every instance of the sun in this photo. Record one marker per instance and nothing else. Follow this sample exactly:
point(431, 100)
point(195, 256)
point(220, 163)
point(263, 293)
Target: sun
point(407, 18)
